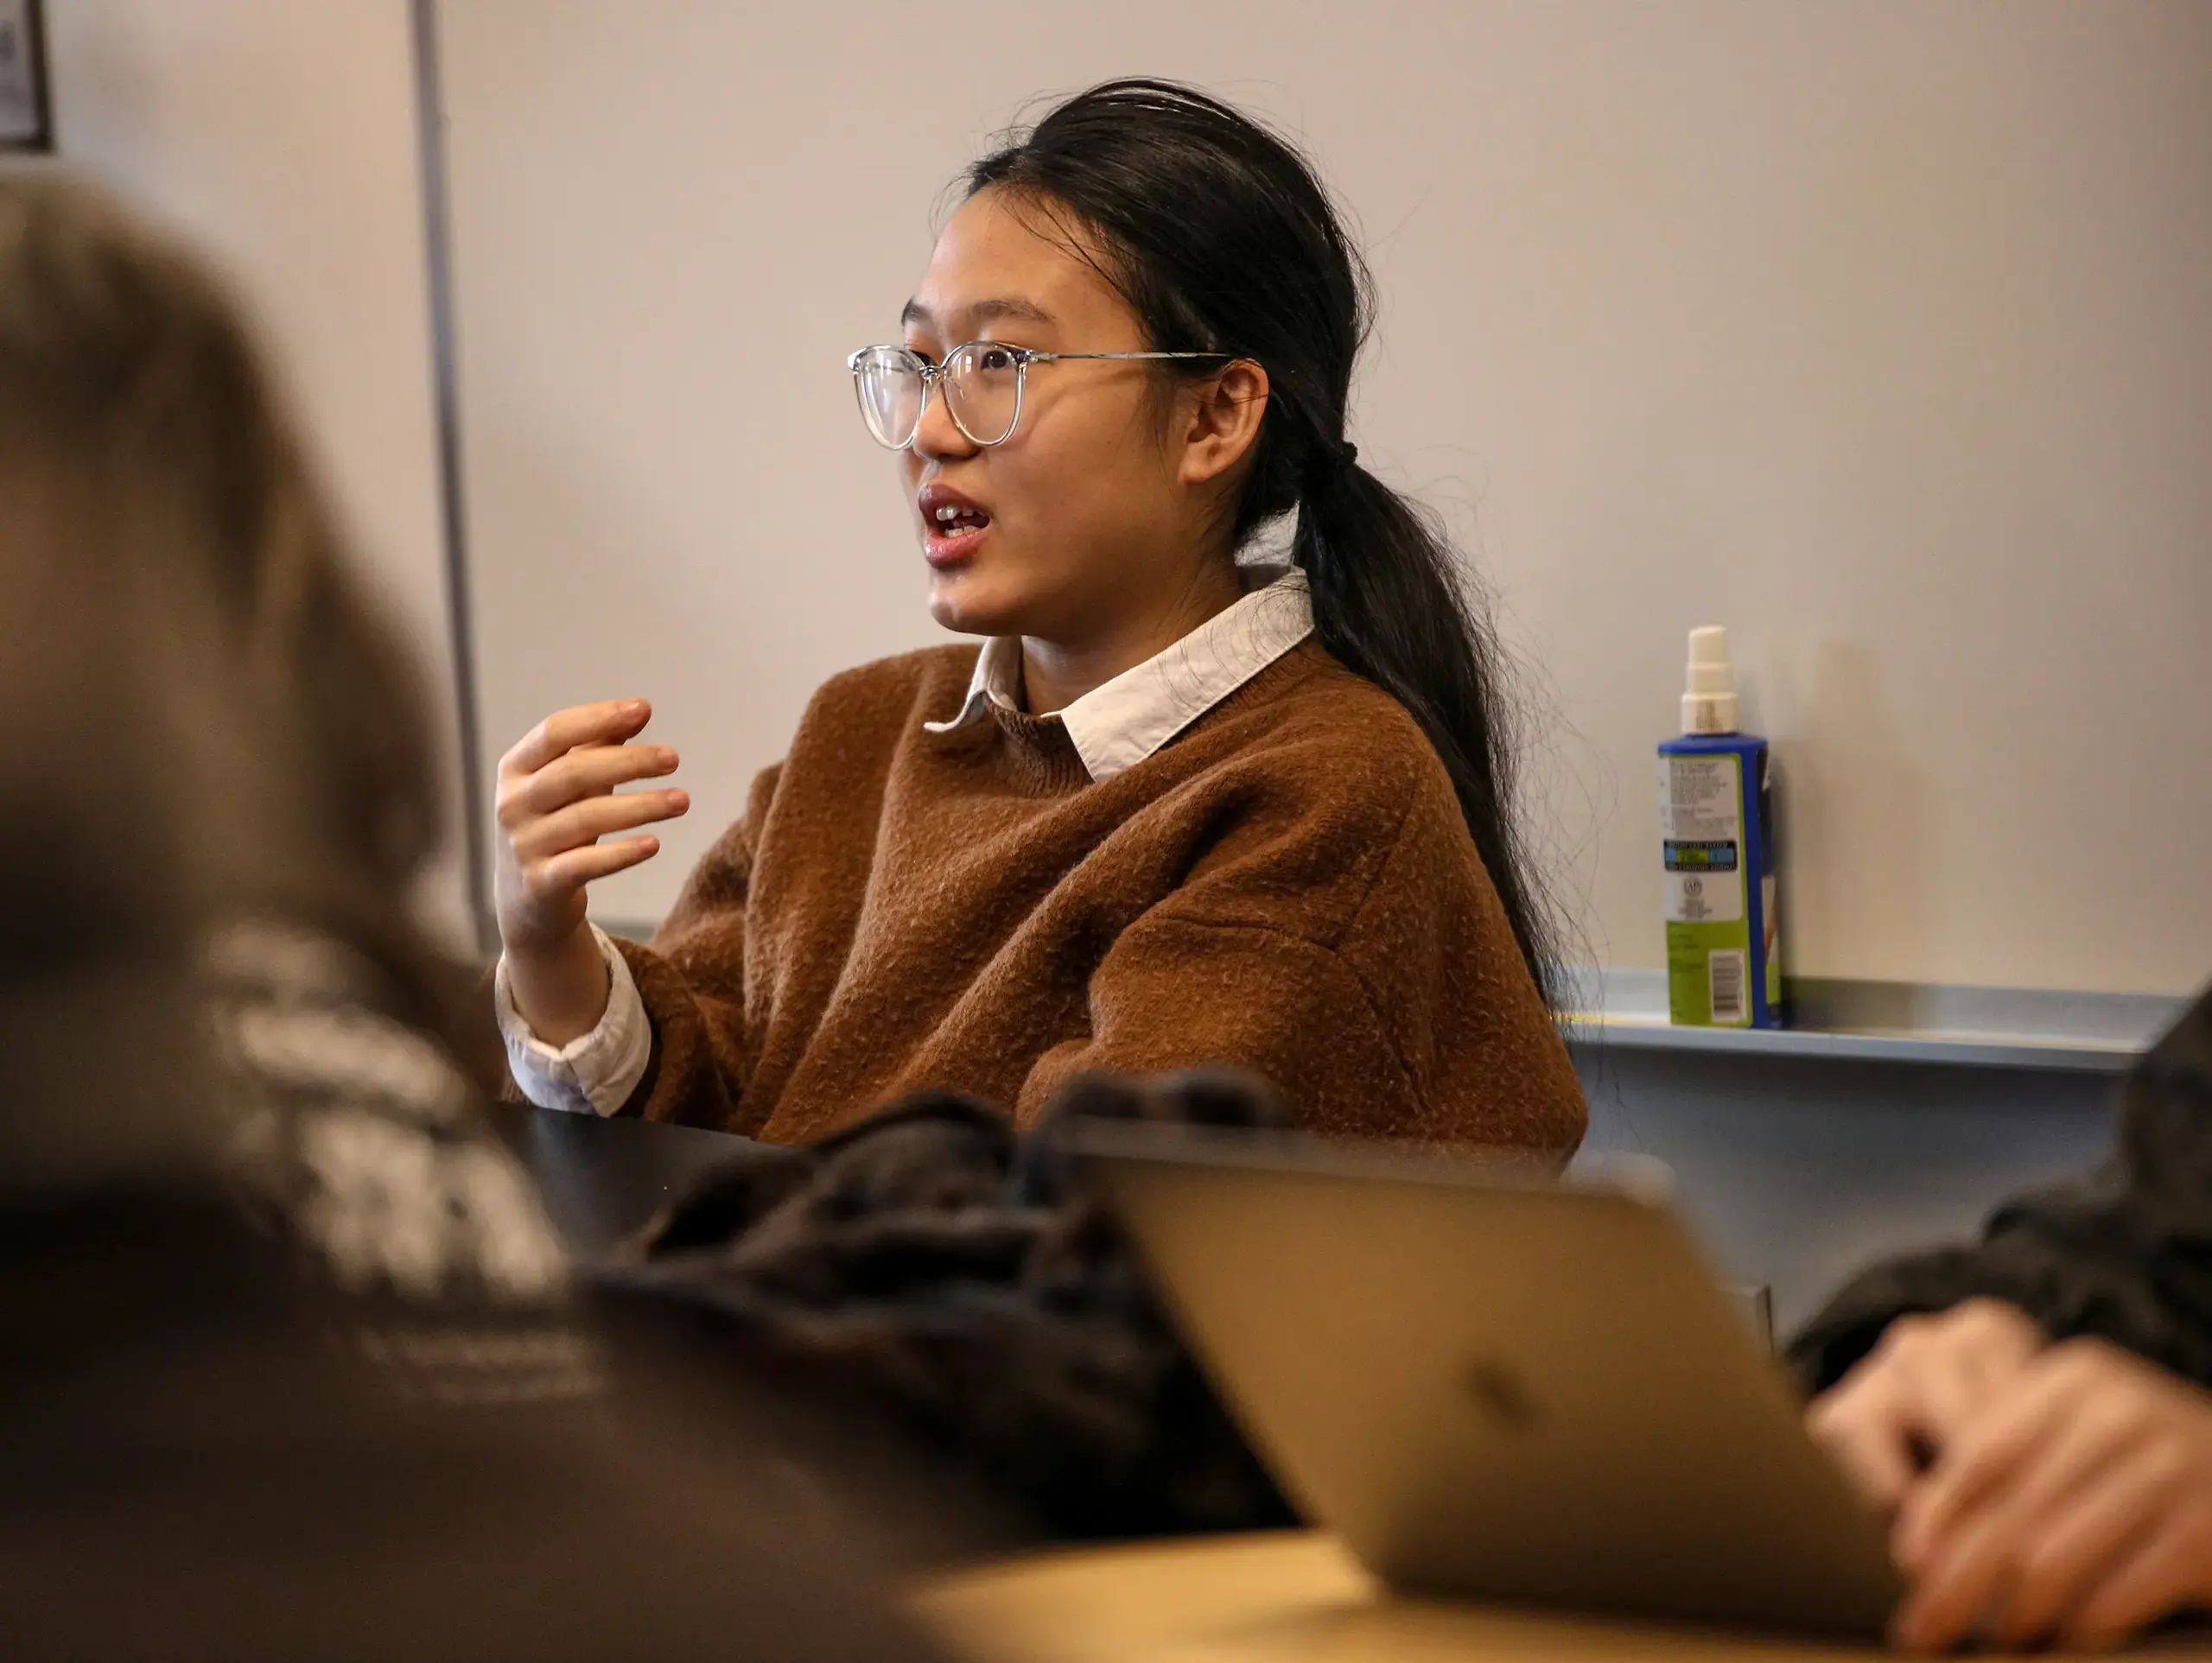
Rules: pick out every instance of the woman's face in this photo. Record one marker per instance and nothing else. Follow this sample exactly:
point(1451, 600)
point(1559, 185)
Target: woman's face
point(1088, 517)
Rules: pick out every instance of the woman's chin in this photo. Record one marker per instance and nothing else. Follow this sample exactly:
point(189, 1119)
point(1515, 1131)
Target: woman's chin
point(967, 602)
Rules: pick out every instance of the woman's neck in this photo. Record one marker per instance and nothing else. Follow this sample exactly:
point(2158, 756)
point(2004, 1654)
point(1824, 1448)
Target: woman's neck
point(1055, 674)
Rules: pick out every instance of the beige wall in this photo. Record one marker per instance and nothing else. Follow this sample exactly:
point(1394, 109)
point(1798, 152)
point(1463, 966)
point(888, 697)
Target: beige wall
point(282, 135)
point(1876, 331)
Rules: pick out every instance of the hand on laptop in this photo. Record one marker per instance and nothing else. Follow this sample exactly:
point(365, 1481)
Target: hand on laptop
point(2067, 1493)
point(2075, 1506)
point(1929, 1376)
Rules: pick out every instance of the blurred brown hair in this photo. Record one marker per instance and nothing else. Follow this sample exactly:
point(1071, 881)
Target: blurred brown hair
point(154, 493)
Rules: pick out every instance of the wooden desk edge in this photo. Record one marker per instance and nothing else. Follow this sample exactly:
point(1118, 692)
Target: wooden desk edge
point(1291, 1595)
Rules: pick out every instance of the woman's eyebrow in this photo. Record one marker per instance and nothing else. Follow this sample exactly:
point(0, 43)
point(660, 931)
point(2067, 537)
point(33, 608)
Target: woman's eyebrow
point(995, 311)
point(982, 312)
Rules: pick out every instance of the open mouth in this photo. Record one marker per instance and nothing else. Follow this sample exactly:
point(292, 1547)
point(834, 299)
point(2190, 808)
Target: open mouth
point(952, 525)
point(952, 521)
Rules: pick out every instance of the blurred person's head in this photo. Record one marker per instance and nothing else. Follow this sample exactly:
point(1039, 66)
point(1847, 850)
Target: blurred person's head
point(154, 492)
point(100, 1073)
point(184, 1435)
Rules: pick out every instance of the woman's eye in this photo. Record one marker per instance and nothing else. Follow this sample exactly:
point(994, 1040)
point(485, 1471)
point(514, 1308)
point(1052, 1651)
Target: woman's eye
point(994, 358)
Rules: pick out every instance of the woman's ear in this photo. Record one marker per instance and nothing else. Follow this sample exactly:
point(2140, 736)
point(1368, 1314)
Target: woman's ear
point(1223, 422)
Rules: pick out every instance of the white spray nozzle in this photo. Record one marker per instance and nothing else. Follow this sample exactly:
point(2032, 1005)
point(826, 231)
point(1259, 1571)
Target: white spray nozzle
point(1709, 699)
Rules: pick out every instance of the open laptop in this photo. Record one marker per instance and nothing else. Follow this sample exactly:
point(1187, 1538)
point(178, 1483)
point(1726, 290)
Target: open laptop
point(1511, 1387)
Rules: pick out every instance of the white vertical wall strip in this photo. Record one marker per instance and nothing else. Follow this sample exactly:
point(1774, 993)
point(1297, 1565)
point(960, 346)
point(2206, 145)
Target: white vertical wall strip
point(282, 135)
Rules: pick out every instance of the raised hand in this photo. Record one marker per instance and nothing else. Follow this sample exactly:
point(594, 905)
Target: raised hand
point(556, 799)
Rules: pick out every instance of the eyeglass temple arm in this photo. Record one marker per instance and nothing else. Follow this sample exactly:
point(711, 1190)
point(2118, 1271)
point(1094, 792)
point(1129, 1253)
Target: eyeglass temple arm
point(853, 361)
point(1054, 357)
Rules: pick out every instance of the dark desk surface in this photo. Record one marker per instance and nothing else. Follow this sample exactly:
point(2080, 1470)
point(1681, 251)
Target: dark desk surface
point(603, 1180)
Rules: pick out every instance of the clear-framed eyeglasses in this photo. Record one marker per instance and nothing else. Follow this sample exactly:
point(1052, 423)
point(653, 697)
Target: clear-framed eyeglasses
point(982, 386)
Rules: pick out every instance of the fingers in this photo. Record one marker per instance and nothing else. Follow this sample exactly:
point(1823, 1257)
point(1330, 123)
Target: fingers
point(594, 818)
point(1929, 1376)
point(606, 723)
point(1862, 1426)
point(563, 875)
point(586, 773)
point(2068, 1472)
point(2169, 1570)
point(557, 797)
point(2037, 1441)
point(1965, 1356)
point(2068, 1553)
point(2005, 1568)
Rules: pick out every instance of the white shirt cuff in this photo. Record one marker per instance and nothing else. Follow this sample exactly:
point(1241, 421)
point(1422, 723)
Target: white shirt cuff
point(591, 1074)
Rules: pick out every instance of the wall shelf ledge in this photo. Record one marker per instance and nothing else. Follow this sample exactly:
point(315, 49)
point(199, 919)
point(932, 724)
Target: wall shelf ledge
point(1889, 1022)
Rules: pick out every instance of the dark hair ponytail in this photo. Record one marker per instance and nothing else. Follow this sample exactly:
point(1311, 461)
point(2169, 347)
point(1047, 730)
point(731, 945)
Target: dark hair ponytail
point(1222, 238)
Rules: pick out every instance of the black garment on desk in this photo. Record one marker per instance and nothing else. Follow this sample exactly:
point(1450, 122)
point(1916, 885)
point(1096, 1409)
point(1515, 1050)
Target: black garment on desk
point(2126, 1255)
point(931, 1271)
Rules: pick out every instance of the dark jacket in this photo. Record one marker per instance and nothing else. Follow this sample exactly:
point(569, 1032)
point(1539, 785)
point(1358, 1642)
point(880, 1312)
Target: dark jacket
point(357, 1417)
point(2125, 1255)
point(205, 1460)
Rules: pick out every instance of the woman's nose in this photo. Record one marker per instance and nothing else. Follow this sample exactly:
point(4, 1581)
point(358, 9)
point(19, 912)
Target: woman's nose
point(936, 435)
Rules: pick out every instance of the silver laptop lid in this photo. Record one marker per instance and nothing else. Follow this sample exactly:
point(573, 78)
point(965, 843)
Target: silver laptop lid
point(1491, 1382)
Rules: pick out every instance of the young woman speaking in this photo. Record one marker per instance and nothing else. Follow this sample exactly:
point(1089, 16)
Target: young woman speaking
point(1178, 811)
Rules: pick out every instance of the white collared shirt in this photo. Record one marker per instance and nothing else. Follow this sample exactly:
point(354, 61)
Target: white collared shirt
point(1113, 727)
point(1120, 723)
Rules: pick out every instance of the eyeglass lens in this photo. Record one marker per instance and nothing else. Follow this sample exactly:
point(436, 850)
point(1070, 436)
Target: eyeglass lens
point(980, 383)
point(890, 387)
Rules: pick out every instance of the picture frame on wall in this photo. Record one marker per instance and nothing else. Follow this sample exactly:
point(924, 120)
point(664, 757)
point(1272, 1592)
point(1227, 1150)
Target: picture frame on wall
point(25, 114)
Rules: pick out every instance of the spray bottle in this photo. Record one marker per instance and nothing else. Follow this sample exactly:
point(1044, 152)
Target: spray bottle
point(1716, 823)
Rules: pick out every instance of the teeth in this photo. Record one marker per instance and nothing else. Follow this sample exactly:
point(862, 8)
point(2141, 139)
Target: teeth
point(947, 513)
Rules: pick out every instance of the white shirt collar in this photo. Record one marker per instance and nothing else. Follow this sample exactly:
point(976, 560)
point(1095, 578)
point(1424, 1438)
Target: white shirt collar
point(1119, 724)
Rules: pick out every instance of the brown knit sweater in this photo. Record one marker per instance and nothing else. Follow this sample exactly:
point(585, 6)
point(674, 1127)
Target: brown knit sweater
point(1287, 887)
